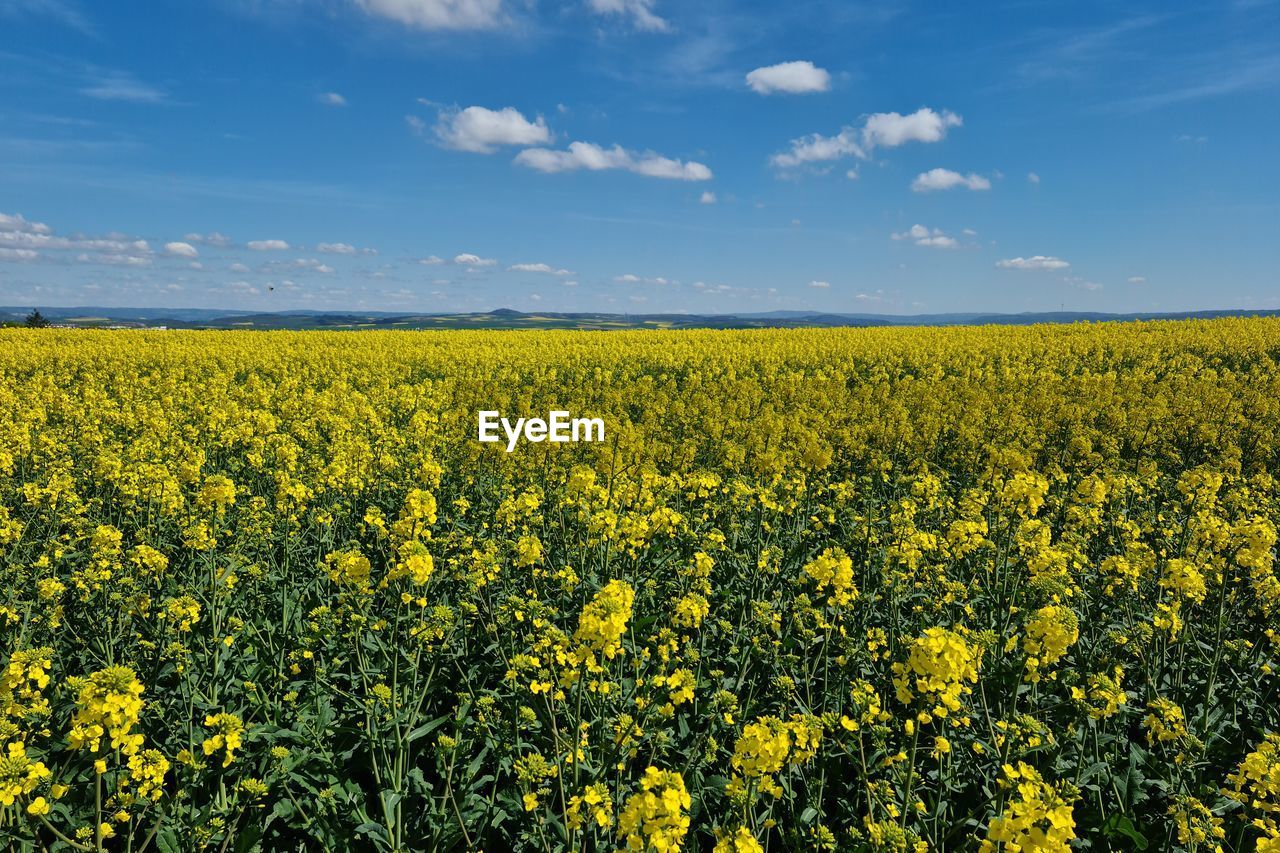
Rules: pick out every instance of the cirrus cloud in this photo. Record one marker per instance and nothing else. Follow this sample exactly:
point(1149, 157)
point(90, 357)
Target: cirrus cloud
point(438, 14)
point(640, 12)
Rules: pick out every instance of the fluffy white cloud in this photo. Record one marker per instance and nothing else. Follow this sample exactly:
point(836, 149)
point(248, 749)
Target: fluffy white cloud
point(115, 260)
point(18, 254)
point(820, 285)
point(792, 78)
point(267, 245)
point(238, 267)
point(332, 99)
point(545, 269)
point(945, 179)
point(343, 249)
point(431, 261)
point(482, 130)
point(1035, 262)
point(180, 250)
point(587, 155)
point(467, 259)
point(707, 197)
point(889, 130)
point(639, 11)
point(1033, 178)
point(438, 14)
point(213, 238)
point(37, 236)
point(922, 236)
point(631, 278)
point(883, 130)
point(18, 222)
point(1137, 279)
point(816, 148)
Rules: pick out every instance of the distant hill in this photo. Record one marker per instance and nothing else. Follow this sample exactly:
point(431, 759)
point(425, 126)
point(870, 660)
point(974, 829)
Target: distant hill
point(506, 318)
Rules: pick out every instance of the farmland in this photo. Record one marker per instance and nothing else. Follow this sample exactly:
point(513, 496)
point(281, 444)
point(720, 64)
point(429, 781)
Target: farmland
point(1000, 588)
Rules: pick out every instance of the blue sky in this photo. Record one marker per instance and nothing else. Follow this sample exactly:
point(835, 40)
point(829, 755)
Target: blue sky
point(640, 155)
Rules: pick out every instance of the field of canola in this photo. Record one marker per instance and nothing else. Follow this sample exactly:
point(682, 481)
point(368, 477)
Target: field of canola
point(919, 589)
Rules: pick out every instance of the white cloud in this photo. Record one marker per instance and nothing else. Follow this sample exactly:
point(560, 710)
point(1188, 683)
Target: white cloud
point(37, 236)
point(303, 264)
point(883, 130)
point(238, 267)
point(922, 236)
point(707, 197)
point(469, 260)
point(18, 222)
point(343, 249)
point(482, 130)
point(1033, 178)
point(115, 260)
point(267, 245)
point(816, 148)
point(180, 250)
point(792, 78)
point(431, 261)
point(1081, 284)
point(18, 254)
point(631, 278)
point(820, 285)
point(587, 155)
point(1137, 279)
point(213, 238)
point(545, 269)
point(639, 11)
point(438, 14)
point(1035, 262)
point(945, 179)
point(889, 130)
point(332, 99)
point(121, 86)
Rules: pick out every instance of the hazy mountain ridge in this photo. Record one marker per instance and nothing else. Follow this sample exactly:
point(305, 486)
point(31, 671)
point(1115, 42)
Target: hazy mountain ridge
point(506, 318)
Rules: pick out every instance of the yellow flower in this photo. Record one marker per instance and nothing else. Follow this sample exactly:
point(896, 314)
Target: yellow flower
point(656, 817)
point(228, 733)
point(939, 668)
point(1038, 817)
point(604, 619)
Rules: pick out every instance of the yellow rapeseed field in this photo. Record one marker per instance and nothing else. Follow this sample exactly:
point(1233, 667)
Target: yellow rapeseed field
point(888, 589)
